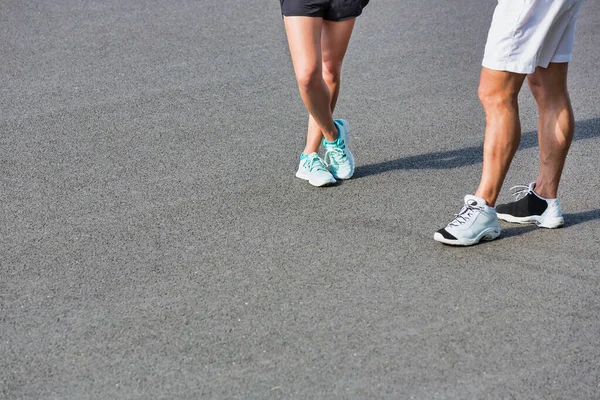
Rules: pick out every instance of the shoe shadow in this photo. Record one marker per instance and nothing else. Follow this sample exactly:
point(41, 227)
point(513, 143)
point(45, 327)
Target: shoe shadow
point(585, 129)
point(571, 219)
point(579, 218)
point(516, 230)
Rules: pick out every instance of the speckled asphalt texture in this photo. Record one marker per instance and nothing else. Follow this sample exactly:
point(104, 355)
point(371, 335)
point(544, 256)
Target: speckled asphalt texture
point(155, 243)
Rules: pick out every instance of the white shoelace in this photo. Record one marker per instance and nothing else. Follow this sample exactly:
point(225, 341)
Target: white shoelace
point(336, 154)
point(519, 191)
point(314, 164)
point(464, 215)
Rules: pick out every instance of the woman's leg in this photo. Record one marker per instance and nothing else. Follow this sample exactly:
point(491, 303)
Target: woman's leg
point(335, 37)
point(304, 39)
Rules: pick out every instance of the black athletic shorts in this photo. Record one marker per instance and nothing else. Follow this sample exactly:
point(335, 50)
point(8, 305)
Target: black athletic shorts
point(329, 10)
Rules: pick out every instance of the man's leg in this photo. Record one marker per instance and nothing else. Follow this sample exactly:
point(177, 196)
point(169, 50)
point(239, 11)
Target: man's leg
point(334, 42)
point(304, 39)
point(498, 92)
point(556, 124)
point(477, 220)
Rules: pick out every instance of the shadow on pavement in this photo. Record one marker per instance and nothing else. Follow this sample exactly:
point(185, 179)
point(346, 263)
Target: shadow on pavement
point(586, 129)
point(571, 219)
point(516, 230)
point(579, 218)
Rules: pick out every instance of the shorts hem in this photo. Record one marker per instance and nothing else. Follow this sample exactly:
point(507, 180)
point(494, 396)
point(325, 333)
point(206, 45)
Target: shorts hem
point(343, 18)
point(320, 16)
point(508, 66)
point(562, 58)
point(301, 15)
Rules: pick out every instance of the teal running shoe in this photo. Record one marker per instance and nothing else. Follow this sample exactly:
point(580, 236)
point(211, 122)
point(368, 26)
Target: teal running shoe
point(313, 169)
point(338, 157)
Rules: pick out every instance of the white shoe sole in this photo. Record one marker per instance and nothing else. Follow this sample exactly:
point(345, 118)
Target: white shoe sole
point(316, 182)
point(487, 234)
point(547, 222)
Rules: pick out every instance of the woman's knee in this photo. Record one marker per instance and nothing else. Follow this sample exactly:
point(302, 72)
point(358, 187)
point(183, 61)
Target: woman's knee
point(332, 72)
point(309, 77)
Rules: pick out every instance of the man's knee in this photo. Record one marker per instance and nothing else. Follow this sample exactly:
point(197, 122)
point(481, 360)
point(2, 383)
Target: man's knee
point(499, 88)
point(549, 85)
point(547, 92)
point(496, 96)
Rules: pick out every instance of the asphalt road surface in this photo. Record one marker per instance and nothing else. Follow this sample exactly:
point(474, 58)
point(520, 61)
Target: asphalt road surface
point(155, 243)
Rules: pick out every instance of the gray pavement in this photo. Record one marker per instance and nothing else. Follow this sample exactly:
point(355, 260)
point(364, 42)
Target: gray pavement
point(155, 243)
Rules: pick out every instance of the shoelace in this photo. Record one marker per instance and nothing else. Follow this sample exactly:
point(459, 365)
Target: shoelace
point(314, 164)
point(463, 216)
point(519, 191)
point(336, 154)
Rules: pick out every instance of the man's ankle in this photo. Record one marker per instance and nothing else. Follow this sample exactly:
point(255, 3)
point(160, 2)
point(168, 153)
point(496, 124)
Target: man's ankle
point(544, 191)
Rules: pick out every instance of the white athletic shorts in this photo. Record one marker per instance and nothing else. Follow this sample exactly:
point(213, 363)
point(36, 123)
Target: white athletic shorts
point(526, 34)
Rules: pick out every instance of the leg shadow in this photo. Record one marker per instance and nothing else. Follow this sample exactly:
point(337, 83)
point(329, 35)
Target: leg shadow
point(585, 129)
point(516, 230)
point(572, 219)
